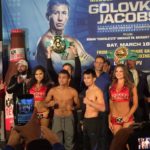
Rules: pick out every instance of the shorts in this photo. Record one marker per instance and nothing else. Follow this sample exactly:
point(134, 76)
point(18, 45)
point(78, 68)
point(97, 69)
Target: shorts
point(119, 120)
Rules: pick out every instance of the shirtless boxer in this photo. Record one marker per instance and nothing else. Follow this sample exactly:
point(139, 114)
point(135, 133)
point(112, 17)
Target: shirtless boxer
point(94, 102)
point(64, 100)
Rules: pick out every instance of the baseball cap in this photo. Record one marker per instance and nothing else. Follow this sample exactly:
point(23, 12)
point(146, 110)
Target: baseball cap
point(22, 62)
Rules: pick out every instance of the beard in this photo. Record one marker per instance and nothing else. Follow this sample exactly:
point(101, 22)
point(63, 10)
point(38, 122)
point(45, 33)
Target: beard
point(22, 72)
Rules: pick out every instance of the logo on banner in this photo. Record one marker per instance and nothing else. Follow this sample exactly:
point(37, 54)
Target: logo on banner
point(59, 45)
point(16, 54)
point(121, 53)
point(9, 117)
point(9, 106)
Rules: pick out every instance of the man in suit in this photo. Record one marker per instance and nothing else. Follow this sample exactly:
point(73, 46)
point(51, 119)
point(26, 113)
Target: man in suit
point(140, 80)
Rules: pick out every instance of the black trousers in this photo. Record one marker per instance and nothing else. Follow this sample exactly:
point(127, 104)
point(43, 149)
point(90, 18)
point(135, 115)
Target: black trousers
point(142, 112)
point(105, 136)
point(91, 133)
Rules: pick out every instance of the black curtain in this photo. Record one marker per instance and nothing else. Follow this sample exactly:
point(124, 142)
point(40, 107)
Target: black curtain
point(0, 21)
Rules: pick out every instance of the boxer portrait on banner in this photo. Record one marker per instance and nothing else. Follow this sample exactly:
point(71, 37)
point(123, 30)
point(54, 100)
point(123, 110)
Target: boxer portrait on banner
point(58, 14)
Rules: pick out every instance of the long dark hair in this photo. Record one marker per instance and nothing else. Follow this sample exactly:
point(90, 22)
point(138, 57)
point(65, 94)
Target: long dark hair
point(127, 81)
point(45, 80)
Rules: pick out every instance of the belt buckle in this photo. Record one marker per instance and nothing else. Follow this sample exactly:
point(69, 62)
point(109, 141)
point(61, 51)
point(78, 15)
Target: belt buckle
point(119, 120)
point(40, 116)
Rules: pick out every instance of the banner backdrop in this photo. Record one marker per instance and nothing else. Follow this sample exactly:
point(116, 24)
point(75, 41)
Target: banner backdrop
point(100, 25)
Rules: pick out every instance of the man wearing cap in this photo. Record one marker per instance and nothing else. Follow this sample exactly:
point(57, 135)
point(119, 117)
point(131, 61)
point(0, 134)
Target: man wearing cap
point(140, 80)
point(18, 82)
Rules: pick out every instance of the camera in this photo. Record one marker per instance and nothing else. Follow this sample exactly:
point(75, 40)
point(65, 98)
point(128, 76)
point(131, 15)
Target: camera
point(24, 109)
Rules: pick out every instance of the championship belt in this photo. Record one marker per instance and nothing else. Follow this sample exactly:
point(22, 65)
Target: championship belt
point(122, 53)
point(59, 45)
